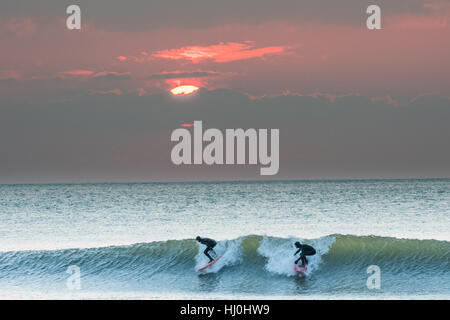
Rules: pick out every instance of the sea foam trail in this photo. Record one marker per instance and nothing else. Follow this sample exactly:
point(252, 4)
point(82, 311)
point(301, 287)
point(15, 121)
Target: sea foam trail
point(280, 258)
point(230, 250)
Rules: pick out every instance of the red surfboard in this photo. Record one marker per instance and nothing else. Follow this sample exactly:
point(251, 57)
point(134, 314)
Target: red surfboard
point(209, 264)
point(300, 270)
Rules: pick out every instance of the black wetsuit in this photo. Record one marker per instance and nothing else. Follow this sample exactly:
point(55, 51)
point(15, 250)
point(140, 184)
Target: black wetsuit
point(305, 250)
point(210, 244)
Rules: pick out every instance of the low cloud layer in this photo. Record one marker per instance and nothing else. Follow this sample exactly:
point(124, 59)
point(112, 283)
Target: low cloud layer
point(109, 137)
point(183, 75)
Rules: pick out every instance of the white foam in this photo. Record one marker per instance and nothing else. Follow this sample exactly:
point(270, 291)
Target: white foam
point(230, 250)
point(280, 254)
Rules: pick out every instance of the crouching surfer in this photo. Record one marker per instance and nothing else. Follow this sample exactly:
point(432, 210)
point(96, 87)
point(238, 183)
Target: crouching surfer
point(210, 244)
point(305, 250)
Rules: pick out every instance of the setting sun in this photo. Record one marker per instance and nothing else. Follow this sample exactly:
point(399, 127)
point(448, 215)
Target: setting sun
point(183, 90)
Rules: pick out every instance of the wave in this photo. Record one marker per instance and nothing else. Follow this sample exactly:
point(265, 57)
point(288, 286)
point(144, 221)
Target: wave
point(258, 261)
point(272, 253)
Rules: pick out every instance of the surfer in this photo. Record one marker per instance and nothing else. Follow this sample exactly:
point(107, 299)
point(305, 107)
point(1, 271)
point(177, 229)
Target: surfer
point(305, 250)
point(210, 244)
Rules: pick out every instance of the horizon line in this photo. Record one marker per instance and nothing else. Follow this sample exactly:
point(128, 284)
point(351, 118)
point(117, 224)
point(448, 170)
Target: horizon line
point(231, 181)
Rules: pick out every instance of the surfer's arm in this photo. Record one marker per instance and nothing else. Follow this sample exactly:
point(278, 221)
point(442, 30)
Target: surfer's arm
point(297, 251)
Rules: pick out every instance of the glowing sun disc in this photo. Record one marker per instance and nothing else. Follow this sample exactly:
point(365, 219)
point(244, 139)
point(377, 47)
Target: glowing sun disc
point(183, 90)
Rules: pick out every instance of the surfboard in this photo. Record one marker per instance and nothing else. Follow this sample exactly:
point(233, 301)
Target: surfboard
point(210, 264)
point(300, 270)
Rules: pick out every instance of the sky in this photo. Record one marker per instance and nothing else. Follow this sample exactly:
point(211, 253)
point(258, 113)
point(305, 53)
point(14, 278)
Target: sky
point(95, 105)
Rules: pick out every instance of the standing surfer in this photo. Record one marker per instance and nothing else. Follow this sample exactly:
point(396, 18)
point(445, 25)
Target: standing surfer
point(209, 243)
point(305, 250)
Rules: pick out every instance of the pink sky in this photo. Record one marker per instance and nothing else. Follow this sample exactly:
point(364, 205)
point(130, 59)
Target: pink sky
point(408, 57)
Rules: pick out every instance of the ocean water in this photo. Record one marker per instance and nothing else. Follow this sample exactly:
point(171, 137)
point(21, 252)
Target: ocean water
point(135, 241)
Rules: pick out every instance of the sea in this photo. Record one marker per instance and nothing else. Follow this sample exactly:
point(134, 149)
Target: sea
point(375, 239)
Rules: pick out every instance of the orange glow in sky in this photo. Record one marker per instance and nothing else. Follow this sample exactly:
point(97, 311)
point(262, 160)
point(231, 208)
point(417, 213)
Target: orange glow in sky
point(183, 90)
point(223, 52)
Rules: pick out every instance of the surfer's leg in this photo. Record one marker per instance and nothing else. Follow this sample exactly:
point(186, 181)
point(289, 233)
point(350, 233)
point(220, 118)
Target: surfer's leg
point(207, 254)
point(304, 261)
point(307, 252)
point(214, 251)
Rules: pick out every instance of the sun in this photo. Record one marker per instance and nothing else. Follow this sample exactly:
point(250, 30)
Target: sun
point(184, 90)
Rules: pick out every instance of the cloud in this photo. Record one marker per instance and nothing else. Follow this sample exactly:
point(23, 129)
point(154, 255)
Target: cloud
point(21, 27)
point(183, 75)
point(418, 22)
point(435, 15)
point(111, 75)
point(10, 74)
point(78, 72)
point(222, 52)
point(387, 99)
point(437, 5)
point(91, 75)
point(116, 91)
